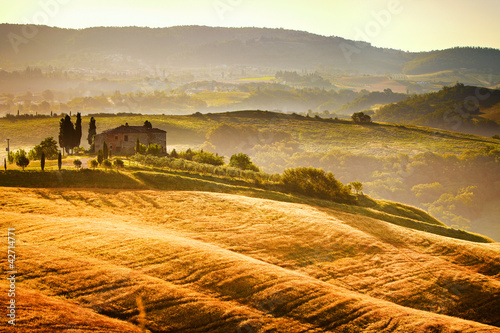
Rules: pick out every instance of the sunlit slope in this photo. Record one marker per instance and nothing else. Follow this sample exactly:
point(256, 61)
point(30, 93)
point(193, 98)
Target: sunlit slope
point(40, 313)
point(208, 262)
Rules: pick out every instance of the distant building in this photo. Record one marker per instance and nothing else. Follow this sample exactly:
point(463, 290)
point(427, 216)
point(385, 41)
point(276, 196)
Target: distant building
point(122, 140)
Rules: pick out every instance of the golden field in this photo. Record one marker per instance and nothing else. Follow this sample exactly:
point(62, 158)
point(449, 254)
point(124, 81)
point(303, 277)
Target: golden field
point(214, 262)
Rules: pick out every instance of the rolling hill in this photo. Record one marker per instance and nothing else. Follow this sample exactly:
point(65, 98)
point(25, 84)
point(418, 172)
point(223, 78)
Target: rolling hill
point(214, 262)
point(115, 49)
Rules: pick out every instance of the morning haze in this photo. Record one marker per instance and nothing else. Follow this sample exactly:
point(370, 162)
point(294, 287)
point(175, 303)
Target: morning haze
point(250, 166)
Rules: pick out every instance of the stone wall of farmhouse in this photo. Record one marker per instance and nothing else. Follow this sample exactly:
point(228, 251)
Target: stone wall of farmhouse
point(124, 143)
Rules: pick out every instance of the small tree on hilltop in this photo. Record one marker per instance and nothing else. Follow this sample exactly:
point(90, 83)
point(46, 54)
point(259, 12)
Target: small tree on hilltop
point(21, 159)
point(361, 117)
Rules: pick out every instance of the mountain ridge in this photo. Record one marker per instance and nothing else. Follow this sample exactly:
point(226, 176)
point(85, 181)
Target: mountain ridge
point(195, 46)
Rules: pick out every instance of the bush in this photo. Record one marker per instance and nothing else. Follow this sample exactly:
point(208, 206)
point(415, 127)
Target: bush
point(93, 164)
point(317, 183)
point(77, 164)
point(208, 158)
point(106, 163)
point(243, 162)
point(154, 149)
point(118, 163)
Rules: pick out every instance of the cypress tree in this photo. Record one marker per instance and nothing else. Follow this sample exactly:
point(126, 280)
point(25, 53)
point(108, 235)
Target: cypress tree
point(92, 131)
point(105, 150)
point(59, 161)
point(42, 161)
point(5, 163)
point(78, 131)
point(100, 157)
point(66, 134)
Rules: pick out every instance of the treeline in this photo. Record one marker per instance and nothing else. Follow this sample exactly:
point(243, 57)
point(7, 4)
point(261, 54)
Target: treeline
point(313, 80)
point(367, 100)
point(456, 108)
point(306, 181)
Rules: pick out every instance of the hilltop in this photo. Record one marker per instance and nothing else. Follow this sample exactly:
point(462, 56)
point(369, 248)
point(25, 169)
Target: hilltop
point(214, 262)
point(460, 108)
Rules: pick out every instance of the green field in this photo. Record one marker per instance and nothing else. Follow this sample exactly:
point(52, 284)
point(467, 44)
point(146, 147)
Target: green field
point(313, 135)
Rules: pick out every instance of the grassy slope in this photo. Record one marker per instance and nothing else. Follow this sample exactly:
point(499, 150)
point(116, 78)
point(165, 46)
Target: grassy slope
point(219, 262)
point(138, 177)
point(313, 135)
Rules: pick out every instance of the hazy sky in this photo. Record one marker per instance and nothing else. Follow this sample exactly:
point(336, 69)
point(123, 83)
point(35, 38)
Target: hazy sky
point(414, 25)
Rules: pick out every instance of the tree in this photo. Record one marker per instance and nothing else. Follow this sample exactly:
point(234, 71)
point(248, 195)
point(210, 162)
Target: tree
point(357, 187)
point(100, 157)
point(140, 148)
point(147, 124)
point(66, 134)
point(93, 164)
point(243, 162)
point(118, 163)
point(154, 149)
point(106, 163)
point(92, 131)
point(59, 161)
point(77, 164)
point(21, 159)
point(42, 161)
point(5, 163)
point(78, 131)
point(48, 147)
point(174, 154)
point(360, 117)
point(105, 151)
point(10, 157)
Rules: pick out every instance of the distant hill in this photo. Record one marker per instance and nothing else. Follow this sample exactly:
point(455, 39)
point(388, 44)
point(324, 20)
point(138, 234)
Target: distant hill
point(459, 108)
point(131, 48)
point(483, 59)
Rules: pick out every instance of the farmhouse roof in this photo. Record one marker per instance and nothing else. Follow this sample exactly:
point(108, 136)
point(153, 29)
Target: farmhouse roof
point(133, 129)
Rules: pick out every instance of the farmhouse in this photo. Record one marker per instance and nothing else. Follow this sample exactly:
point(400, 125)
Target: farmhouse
point(122, 140)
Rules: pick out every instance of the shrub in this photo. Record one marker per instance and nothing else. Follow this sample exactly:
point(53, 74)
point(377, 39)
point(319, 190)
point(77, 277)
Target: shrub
point(174, 154)
point(77, 164)
point(208, 158)
point(118, 163)
point(154, 149)
point(243, 162)
point(315, 182)
point(93, 164)
point(106, 163)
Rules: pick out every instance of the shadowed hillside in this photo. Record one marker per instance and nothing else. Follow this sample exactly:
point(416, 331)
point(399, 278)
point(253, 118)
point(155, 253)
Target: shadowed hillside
point(207, 262)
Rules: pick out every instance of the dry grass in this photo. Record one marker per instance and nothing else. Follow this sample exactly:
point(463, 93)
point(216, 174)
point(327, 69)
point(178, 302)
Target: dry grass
point(209, 262)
